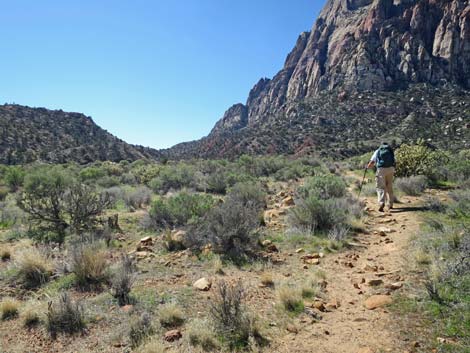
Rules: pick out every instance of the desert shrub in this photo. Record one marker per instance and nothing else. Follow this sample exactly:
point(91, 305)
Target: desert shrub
point(173, 177)
point(3, 193)
point(434, 204)
point(413, 185)
point(14, 178)
point(419, 159)
point(123, 280)
point(108, 181)
point(128, 178)
point(10, 215)
point(230, 228)
point(9, 308)
point(115, 194)
point(338, 233)
point(55, 202)
point(64, 316)
point(229, 315)
point(179, 209)
point(5, 254)
point(91, 173)
point(248, 194)
point(83, 206)
point(138, 198)
point(460, 208)
point(313, 214)
point(33, 268)
point(201, 334)
point(324, 187)
point(170, 316)
point(140, 330)
point(144, 172)
point(89, 266)
point(291, 299)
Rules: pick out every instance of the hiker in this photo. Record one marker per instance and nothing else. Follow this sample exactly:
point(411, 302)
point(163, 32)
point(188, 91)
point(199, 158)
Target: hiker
point(384, 160)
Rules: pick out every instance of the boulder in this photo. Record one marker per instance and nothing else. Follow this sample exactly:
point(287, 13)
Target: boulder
point(377, 301)
point(173, 335)
point(202, 284)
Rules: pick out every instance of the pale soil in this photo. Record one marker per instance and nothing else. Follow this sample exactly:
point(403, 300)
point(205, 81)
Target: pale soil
point(350, 328)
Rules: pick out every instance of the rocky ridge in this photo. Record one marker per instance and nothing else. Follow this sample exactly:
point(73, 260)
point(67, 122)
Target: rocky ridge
point(354, 46)
point(38, 134)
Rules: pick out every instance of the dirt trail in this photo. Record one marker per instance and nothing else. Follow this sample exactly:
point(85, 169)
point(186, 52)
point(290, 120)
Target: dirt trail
point(381, 254)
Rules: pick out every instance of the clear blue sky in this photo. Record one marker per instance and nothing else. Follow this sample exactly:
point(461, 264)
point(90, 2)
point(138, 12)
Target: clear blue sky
point(152, 72)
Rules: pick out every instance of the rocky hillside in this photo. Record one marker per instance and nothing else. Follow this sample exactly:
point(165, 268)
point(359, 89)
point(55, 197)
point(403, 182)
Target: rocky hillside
point(32, 134)
point(368, 69)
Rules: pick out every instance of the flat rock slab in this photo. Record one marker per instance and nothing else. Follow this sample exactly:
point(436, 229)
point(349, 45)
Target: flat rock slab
point(377, 301)
point(202, 284)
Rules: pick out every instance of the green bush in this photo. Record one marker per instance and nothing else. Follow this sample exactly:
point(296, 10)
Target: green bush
point(419, 159)
point(314, 214)
point(91, 173)
point(173, 177)
point(14, 178)
point(179, 209)
point(323, 187)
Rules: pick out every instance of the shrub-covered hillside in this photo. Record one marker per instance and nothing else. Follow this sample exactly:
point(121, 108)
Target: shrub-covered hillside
point(38, 134)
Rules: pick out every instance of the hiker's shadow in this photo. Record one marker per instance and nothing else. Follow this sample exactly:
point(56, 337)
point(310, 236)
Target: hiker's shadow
point(407, 209)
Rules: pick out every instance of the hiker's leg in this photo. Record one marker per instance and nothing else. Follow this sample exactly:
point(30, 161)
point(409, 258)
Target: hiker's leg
point(390, 187)
point(380, 184)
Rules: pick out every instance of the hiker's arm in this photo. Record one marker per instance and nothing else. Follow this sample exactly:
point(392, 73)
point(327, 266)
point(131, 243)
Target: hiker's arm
point(370, 165)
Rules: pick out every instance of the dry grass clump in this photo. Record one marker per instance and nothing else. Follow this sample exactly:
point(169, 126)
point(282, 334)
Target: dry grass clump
point(267, 279)
point(218, 265)
point(140, 330)
point(170, 316)
point(201, 334)
point(64, 316)
point(9, 309)
point(422, 257)
point(291, 299)
point(31, 318)
point(153, 346)
point(5, 254)
point(33, 268)
point(90, 267)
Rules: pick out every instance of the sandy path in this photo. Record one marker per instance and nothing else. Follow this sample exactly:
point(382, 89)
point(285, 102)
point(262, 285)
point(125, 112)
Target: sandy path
point(352, 328)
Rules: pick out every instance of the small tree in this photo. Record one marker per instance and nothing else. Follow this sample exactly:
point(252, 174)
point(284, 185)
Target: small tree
point(56, 203)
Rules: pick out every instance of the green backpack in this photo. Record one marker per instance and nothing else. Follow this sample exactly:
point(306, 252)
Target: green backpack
point(385, 157)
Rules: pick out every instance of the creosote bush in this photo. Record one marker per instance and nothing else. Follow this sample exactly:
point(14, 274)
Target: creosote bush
point(33, 268)
point(9, 308)
point(64, 316)
point(152, 346)
point(90, 267)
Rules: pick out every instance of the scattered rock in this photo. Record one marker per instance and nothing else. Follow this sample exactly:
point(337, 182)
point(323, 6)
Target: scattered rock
point(298, 251)
point(292, 329)
point(377, 301)
point(173, 335)
point(147, 241)
point(127, 308)
point(374, 282)
point(272, 248)
point(266, 243)
point(394, 286)
point(202, 284)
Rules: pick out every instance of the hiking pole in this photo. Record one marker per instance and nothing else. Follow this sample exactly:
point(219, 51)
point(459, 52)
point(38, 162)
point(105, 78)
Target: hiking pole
point(362, 182)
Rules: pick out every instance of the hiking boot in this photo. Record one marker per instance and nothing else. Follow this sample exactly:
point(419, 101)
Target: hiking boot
point(381, 208)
